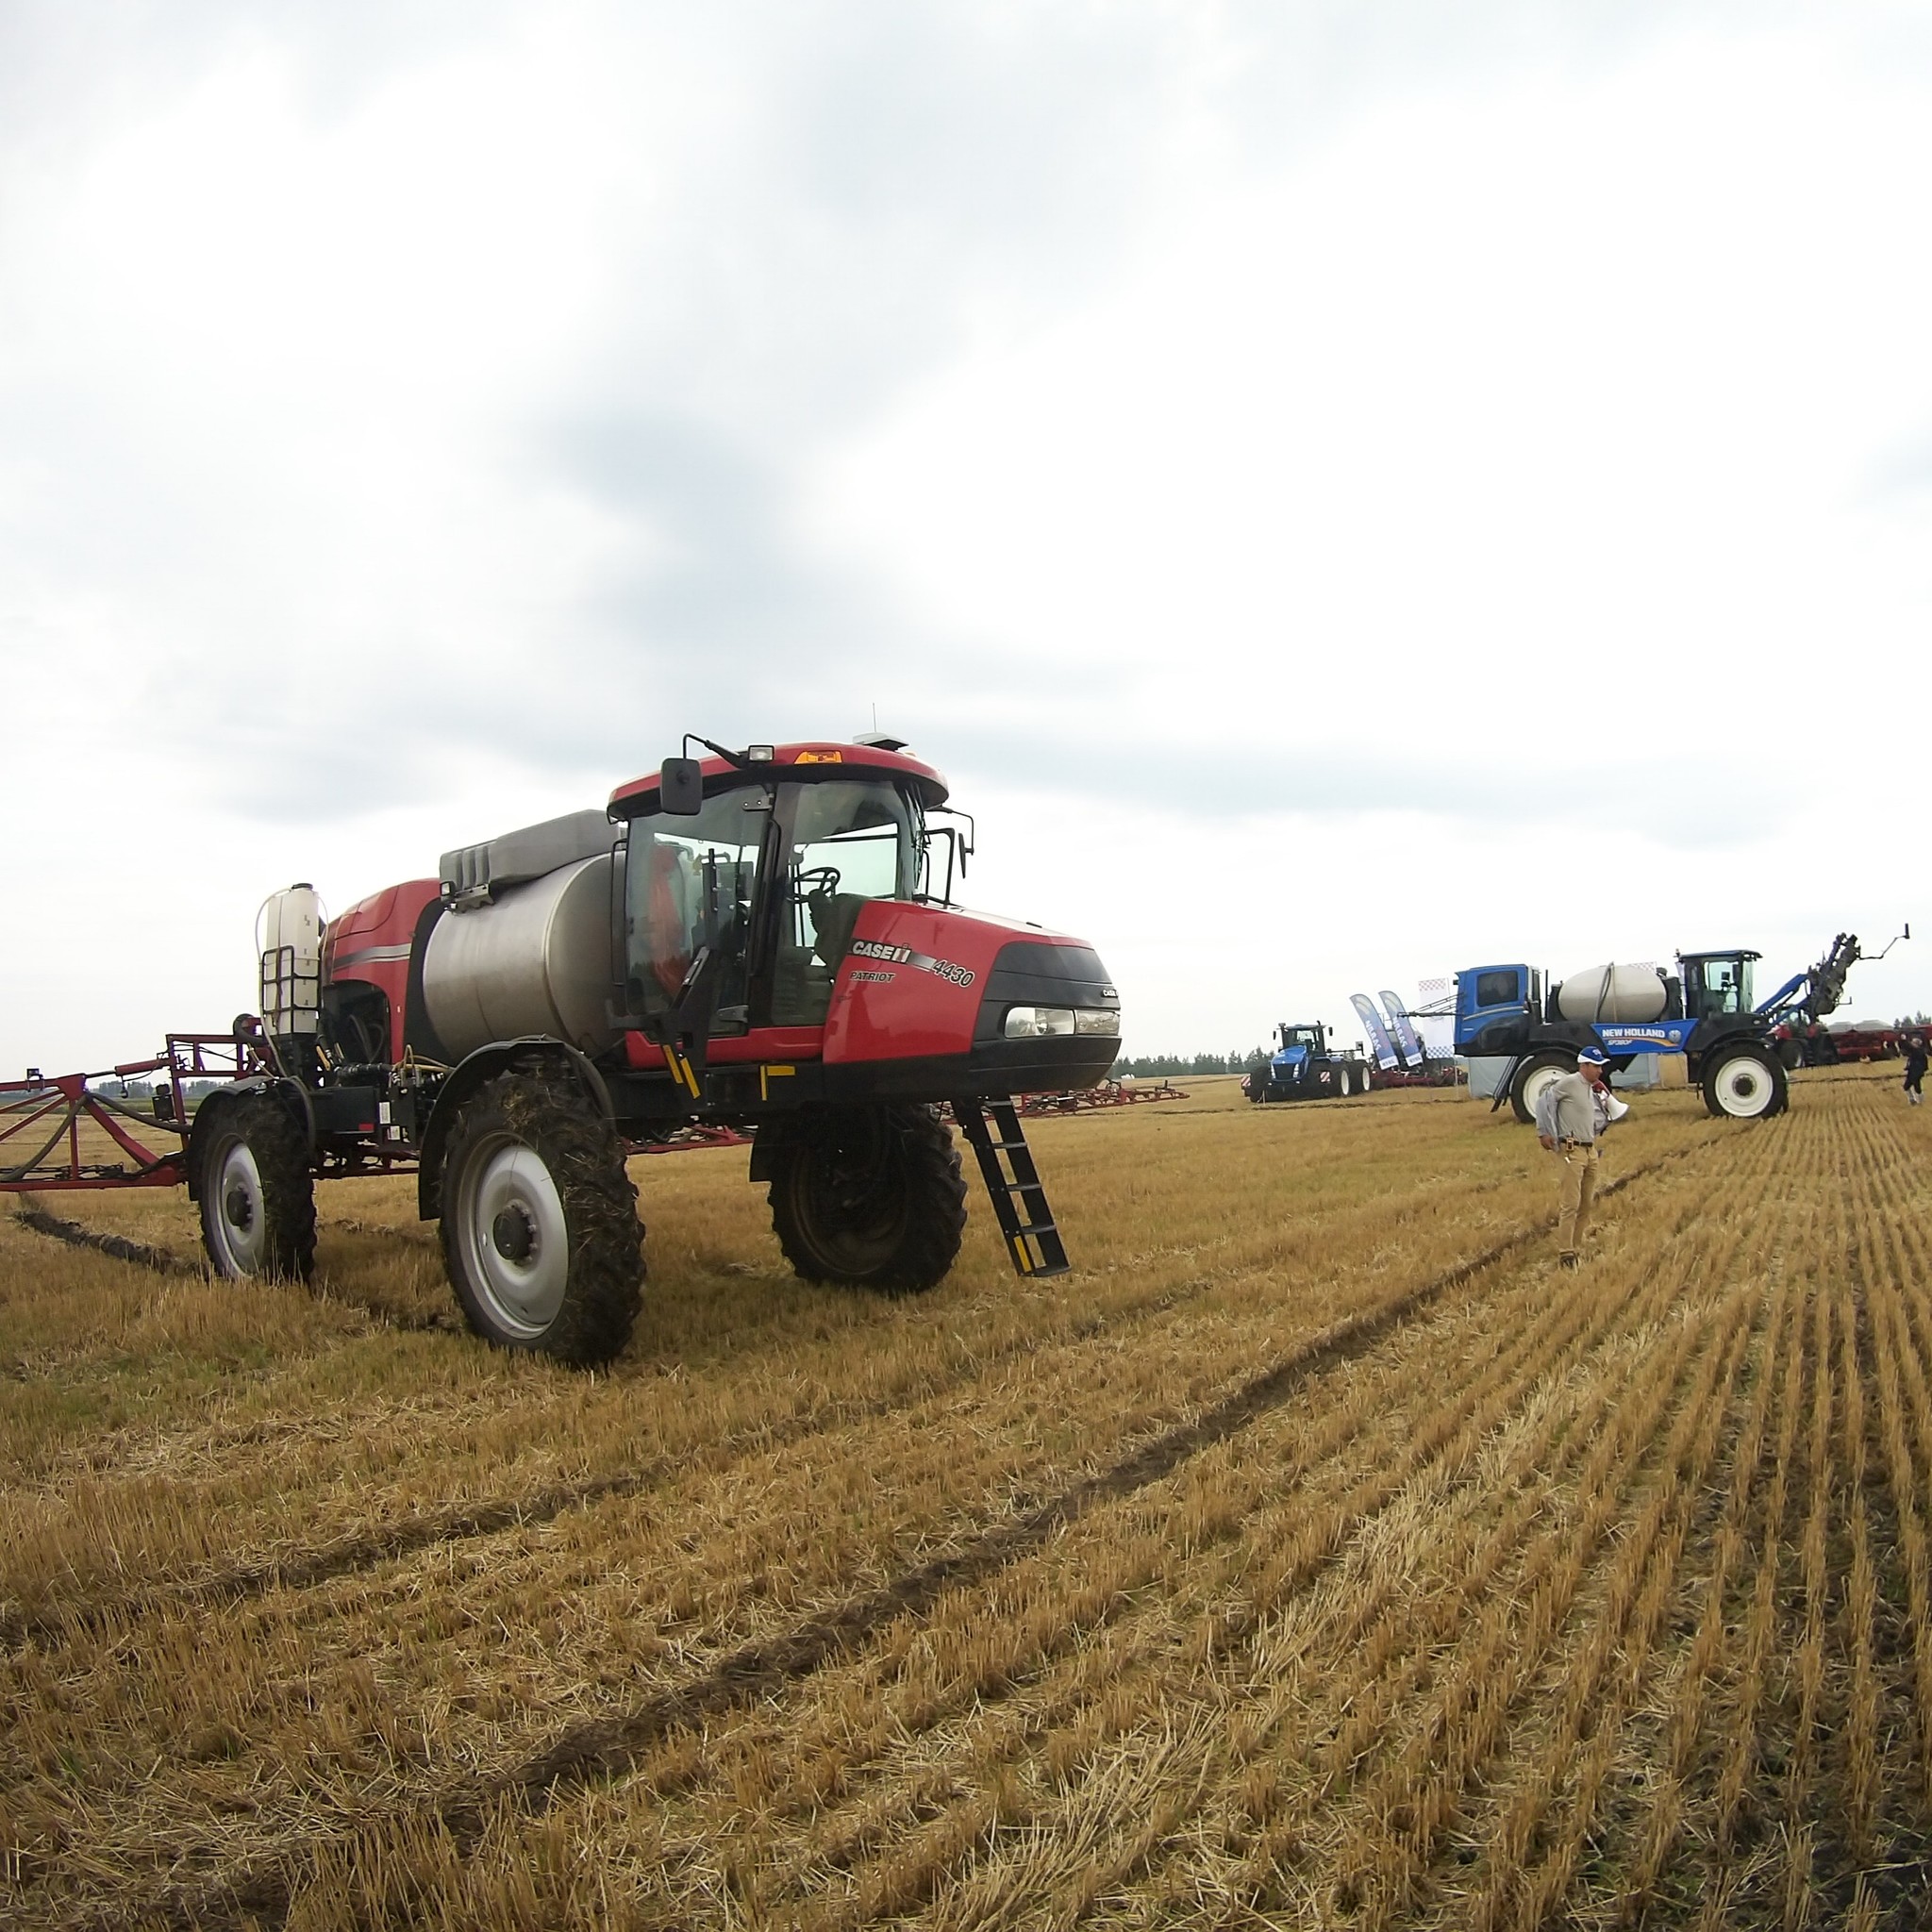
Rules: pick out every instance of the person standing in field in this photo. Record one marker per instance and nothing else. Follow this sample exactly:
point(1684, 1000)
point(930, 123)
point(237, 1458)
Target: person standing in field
point(1566, 1123)
point(1915, 1066)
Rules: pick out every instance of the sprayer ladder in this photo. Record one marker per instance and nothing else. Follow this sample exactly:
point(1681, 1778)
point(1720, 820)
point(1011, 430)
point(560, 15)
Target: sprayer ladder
point(1019, 1200)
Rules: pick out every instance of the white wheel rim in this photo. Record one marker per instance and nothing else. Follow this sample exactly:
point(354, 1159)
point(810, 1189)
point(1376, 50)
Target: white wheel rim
point(1538, 1079)
point(515, 1239)
point(1744, 1088)
point(240, 1218)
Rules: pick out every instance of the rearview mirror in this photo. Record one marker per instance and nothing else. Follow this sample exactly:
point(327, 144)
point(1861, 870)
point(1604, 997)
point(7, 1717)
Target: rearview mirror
point(681, 787)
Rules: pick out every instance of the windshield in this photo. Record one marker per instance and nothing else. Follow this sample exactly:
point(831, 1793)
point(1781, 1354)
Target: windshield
point(851, 840)
point(1300, 1036)
point(1726, 988)
point(693, 882)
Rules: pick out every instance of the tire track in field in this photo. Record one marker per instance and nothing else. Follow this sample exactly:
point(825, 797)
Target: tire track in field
point(166, 1261)
point(351, 1557)
point(1897, 1882)
point(1313, 1536)
point(607, 1748)
point(545, 1505)
point(162, 1261)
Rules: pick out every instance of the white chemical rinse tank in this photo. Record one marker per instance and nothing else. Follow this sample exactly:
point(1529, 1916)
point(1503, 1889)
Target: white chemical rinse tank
point(1621, 995)
point(290, 926)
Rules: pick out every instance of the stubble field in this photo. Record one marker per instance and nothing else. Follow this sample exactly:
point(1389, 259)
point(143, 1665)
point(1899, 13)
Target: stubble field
point(1317, 1553)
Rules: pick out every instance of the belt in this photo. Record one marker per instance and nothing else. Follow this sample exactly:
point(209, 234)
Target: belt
point(1567, 1142)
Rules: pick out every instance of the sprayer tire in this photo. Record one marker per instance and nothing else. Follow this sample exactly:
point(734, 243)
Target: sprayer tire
point(1747, 1084)
point(1532, 1075)
point(258, 1194)
point(868, 1197)
point(541, 1235)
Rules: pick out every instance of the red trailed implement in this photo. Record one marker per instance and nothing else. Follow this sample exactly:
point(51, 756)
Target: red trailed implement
point(1090, 1099)
point(64, 1132)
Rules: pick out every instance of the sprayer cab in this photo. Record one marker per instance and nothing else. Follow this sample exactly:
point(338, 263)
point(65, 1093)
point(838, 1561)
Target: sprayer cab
point(796, 902)
point(1716, 985)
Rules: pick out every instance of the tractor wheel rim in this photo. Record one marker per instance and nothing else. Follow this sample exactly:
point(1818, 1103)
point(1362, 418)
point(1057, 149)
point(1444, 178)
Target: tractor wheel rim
point(515, 1238)
point(1533, 1087)
point(1745, 1087)
point(239, 1217)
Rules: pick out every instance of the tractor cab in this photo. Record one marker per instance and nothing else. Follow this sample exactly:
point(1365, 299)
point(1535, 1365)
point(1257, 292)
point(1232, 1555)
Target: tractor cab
point(1717, 986)
point(1300, 1043)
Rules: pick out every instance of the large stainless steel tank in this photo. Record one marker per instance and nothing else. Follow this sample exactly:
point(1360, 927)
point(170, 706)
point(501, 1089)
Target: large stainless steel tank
point(536, 960)
point(1623, 995)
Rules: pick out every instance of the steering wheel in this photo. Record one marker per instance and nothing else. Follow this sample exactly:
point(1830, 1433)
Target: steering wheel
point(821, 879)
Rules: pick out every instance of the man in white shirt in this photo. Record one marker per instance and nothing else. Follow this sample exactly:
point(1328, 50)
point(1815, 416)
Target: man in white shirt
point(1566, 1123)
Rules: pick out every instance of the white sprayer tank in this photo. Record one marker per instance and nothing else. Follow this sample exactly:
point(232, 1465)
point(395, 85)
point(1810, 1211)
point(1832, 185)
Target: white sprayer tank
point(292, 960)
point(1621, 995)
point(536, 960)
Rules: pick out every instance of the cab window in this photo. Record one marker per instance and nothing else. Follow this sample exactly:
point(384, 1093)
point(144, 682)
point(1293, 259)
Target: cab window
point(851, 840)
point(1497, 988)
point(1726, 988)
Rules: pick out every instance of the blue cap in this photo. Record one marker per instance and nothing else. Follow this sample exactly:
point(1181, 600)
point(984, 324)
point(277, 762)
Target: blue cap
point(1592, 1056)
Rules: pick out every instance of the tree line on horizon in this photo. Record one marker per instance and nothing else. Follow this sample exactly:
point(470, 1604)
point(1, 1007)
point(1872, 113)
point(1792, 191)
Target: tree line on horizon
point(1165, 1065)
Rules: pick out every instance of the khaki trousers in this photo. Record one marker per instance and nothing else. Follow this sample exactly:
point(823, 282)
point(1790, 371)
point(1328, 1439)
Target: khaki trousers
point(1579, 1190)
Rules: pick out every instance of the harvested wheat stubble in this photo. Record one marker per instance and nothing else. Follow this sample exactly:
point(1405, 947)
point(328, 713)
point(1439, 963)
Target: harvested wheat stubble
point(1532, 1599)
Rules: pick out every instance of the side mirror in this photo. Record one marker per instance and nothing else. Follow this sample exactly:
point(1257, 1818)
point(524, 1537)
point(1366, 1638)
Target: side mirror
point(681, 787)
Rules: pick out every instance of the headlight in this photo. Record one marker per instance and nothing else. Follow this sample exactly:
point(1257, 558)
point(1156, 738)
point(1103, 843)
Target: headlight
point(1030, 1022)
point(1034, 1022)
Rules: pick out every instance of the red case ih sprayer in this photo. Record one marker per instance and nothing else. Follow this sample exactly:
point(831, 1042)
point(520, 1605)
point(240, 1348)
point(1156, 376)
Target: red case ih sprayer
point(760, 940)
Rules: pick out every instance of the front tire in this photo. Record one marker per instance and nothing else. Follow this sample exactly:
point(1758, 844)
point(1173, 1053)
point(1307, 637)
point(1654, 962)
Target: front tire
point(1746, 1085)
point(540, 1236)
point(258, 1194)
point(868, 1197)
point(1532, 1076)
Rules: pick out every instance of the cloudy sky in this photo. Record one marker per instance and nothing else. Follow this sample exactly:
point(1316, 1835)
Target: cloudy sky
point(1346, 492)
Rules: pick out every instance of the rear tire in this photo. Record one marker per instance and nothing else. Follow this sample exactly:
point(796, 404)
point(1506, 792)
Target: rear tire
point(1344, 1081)
point(868, 1197)
point(1747, 1084)
point(1532, 1076)
point(541, 1235)
point(258, 1194)
point(1366, 1075)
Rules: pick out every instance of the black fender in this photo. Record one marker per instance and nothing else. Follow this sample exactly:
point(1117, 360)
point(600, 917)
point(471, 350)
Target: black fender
point(208, 1113)
point(534, 1054)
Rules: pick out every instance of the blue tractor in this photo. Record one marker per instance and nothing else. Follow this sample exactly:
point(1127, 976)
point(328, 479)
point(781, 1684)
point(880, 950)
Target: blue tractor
point(1704, 1011)
point(1304, 1067)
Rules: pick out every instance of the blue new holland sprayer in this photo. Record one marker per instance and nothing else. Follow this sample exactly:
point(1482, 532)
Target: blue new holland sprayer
point(1704, 1011)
